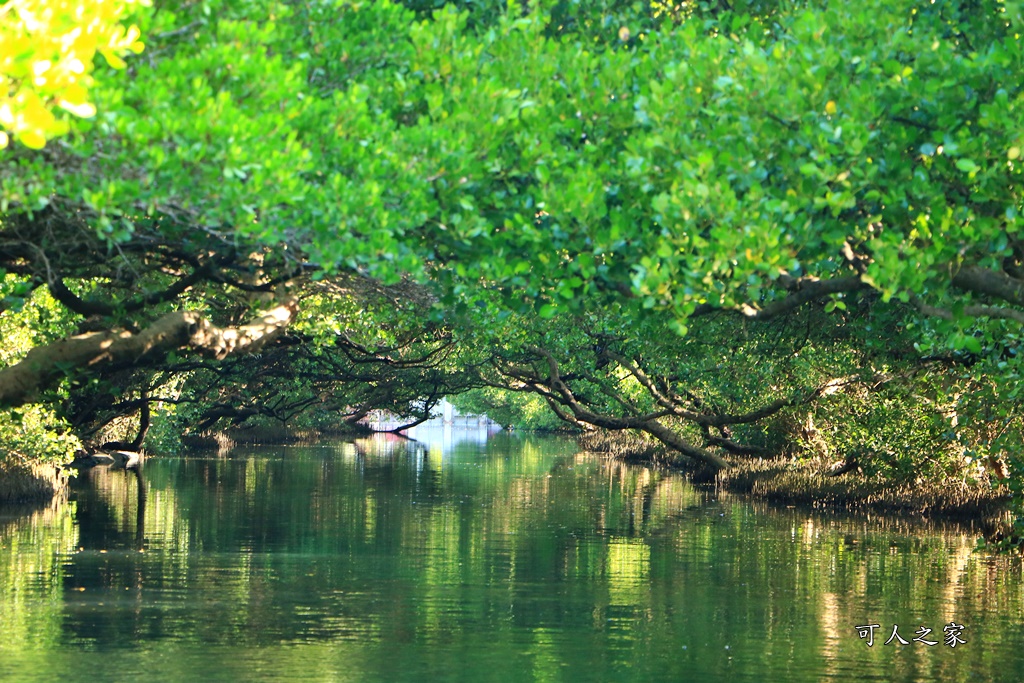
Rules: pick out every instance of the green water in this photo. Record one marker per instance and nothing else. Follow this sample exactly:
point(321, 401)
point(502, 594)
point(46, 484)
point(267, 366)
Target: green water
point(513, 560)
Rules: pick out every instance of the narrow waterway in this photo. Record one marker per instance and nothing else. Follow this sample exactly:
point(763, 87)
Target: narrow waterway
point(505, 559)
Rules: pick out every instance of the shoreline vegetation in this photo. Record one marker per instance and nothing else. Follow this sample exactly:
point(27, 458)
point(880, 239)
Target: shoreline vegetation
point(810, 483)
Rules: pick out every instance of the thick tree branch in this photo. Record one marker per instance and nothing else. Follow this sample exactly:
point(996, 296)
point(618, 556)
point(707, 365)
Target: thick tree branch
point(21, 382)
point(983, 281)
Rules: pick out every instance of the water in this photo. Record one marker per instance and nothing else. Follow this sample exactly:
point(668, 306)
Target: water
point(506, 559)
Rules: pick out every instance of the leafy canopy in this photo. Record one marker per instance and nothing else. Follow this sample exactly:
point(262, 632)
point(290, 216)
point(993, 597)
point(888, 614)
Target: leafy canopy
point(619, 172)
point(689, 165)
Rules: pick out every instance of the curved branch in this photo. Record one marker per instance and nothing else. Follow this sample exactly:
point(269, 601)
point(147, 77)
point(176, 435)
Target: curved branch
point(71, 301)
point(710, 420)
point(648, 423)
point(803, 290)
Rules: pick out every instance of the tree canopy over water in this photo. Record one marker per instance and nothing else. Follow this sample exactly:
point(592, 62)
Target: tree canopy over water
point(742, 229)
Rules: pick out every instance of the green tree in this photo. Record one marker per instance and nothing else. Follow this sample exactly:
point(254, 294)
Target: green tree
point(688, 224)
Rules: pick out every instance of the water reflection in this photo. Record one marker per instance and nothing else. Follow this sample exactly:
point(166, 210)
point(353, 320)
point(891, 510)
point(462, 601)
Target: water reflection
point(514, 559)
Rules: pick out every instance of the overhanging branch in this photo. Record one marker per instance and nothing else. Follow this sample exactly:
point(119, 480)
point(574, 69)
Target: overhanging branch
point(21, 382)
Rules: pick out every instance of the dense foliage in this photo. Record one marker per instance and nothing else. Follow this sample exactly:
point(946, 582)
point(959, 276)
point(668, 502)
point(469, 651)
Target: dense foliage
point(47, 48)
point(742, 230)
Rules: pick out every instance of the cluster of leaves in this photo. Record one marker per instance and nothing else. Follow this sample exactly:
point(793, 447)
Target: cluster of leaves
point(47, 49)
point(693, 166)
point(35, 432)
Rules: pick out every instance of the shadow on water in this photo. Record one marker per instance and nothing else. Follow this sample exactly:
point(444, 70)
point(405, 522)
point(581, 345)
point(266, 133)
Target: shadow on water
point(510, 559)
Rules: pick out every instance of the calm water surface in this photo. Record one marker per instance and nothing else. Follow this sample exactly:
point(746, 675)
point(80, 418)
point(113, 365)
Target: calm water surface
point(517, 559)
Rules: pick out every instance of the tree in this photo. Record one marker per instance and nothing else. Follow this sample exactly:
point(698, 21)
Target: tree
point(742, 174)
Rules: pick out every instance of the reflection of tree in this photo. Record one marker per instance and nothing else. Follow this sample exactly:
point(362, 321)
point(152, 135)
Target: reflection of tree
point(528, 553)
point(140, 509)
point(31, 577)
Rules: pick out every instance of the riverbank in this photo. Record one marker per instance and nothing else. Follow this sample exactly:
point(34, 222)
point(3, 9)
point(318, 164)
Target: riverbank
point(787, 483)
point(22, 483)
point(779, 481)
point(810, 483)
